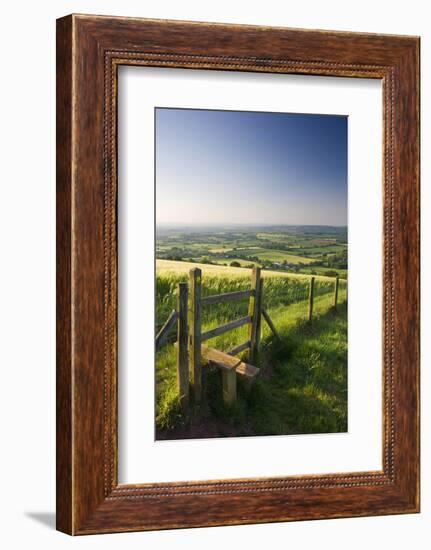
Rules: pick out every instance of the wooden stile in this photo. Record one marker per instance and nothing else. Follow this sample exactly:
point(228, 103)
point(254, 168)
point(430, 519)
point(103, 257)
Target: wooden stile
point(182, 347)
point(230, 367)
point(195, 306)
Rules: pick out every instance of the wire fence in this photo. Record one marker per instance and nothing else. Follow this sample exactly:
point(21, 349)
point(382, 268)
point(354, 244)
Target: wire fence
point(278, 291)
point(230, 312)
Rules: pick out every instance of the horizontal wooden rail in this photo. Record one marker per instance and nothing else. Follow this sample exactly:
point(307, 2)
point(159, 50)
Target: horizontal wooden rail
point(270, 323)
point(240, 348)
point(163, 333)
point(225, 328)
point(228, 297)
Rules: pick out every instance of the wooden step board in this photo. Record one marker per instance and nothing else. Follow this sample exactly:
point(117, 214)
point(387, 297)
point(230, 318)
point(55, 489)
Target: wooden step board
point(228, 362)
point(230, 366)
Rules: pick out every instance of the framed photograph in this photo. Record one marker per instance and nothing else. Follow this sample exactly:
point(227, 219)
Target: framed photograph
point(237, 274)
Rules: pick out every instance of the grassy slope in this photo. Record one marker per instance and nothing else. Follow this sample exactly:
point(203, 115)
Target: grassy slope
point(302, 387)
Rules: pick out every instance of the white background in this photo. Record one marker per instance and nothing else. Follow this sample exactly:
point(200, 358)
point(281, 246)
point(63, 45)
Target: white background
point(27, 125)
point(141, 458)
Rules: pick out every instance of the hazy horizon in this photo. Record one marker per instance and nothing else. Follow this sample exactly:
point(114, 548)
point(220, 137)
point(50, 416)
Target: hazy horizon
point(251, 224)
point(250, 168)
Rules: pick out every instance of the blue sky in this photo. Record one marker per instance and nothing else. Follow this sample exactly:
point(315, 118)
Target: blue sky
point(250, 167)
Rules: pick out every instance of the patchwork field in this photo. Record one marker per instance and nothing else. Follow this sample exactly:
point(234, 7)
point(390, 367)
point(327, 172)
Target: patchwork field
point(308, 249)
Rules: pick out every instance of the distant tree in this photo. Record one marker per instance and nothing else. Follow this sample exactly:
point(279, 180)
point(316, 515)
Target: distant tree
point(235, 264)
point(331, 273)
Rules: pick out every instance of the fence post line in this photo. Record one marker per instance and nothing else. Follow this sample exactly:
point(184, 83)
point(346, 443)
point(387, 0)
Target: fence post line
point(311, 300)
point(253, 311)
point(182, 347)
point(195, 368)
point(336, 292)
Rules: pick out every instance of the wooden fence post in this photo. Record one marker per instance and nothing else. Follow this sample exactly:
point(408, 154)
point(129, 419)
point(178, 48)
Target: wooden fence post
point(254, 313)
point(310, 300)
point(182, 347)
point(195, 367)
point(259, 315)
point(229, 386)
point(336, 293)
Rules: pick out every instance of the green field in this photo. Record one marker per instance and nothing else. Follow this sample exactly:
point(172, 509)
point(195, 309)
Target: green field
point(302, 384)
point(289, 249)
point(277, 256)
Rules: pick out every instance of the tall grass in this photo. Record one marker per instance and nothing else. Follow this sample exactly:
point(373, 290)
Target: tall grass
point(277, 291)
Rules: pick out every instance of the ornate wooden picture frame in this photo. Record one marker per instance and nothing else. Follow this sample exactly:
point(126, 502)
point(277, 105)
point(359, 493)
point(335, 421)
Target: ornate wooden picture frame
point(89, 51)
